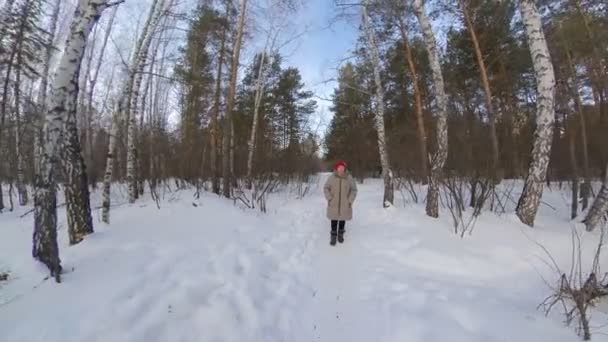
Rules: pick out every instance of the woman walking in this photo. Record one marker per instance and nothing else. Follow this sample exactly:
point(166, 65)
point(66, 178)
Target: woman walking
point(340, 191)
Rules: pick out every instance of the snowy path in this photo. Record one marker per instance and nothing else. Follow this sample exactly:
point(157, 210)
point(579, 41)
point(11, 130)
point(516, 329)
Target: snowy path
point(216, 273)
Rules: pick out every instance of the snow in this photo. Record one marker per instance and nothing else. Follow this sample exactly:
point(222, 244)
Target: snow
point(207, 270)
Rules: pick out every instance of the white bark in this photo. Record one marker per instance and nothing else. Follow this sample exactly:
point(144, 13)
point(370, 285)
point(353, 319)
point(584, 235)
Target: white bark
point(88, 143)
point(21, 189)
point(379, 115)
point(122, 112)
point(599, 207)
point(545, 113)
point(134, 98)
point(107, 176)
point(259, 94)
point(439, 158)
point(45, 80)
point(226, 140)
point(64, 93)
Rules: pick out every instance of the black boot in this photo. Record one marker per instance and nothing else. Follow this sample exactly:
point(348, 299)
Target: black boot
point(341, 236)
point(334, 232)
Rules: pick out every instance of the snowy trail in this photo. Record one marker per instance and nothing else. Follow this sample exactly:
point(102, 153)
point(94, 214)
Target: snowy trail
point(213, 272)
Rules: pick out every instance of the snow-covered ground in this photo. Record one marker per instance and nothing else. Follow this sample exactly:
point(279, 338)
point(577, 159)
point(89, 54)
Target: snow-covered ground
point(216, 272)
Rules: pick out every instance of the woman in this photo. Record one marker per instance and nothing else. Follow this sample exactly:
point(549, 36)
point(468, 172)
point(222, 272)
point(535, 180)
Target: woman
point(340, 191)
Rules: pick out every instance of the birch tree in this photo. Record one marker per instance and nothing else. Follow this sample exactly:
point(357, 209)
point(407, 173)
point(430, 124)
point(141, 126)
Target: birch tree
point(137, 74)
point(46, 67)
point(122, 112)
point(440, 156)
point(226, 140)
point(599, 207)
point(372, 48)
point(545, 113)
point(88, 143)
point(63, 96)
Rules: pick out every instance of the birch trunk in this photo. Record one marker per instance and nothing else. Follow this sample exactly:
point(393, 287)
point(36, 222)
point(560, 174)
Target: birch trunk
point(132, 153)
point(45, 81)
point(122, 113)
point(215, 183)
point(441, 155)
point(574, 170)
point(422, 139)
point(599, 207)
point(92, 86)
point(107, 176)
point(387, 174)
point(226, 140)
point(486, 89)
point(21, 189)
point(64, 93)
point(545, 113)
point(259, 93)
point(76, 187)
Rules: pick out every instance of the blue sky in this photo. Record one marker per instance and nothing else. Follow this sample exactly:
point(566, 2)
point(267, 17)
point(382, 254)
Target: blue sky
point(319, 52)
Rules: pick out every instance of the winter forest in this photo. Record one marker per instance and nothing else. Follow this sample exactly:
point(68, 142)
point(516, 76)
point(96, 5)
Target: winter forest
point(162, 165)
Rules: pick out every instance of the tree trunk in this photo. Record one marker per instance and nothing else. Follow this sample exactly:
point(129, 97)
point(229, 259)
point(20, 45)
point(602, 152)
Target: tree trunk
point(21, 189)
point(440, 156)
point(422, 139)
point(574, 91)
point(107, 176)
point(226, 139)
point(122, 112)
point(599, 206)
point(64, 93)
point(42, 102)
point(76, 187)
point(487, 91)
point(132, 153)
point(259, 93)
point(545, 113)
point(215, 183)
point(387, 174)
point(574, 170)
point(92, 85)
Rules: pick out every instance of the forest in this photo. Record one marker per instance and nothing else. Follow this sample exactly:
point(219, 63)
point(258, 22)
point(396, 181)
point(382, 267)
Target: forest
point(455, 95)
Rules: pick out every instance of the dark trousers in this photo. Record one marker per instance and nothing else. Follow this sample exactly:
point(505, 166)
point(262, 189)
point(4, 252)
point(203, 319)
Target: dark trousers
point(335, 225)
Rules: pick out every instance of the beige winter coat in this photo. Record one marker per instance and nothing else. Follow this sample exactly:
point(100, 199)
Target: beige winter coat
point(340, 193)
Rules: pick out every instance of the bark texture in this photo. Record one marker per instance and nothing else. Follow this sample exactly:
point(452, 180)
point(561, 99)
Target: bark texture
point(64, 93)
point(545, 113)
point(439, 158)
point(599, 207)
point(227, 164)
point(387, 174)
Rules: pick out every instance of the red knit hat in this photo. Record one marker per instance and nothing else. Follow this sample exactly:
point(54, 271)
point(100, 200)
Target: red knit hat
point(340, 163)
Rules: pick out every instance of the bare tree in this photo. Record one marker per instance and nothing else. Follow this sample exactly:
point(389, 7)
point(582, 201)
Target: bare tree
point(228, 126)
point(387, 174)
point(545, 113)
point(440, 156)
point(92, 85)
point(134, 93)
point(122, 112)
point(64, 94)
